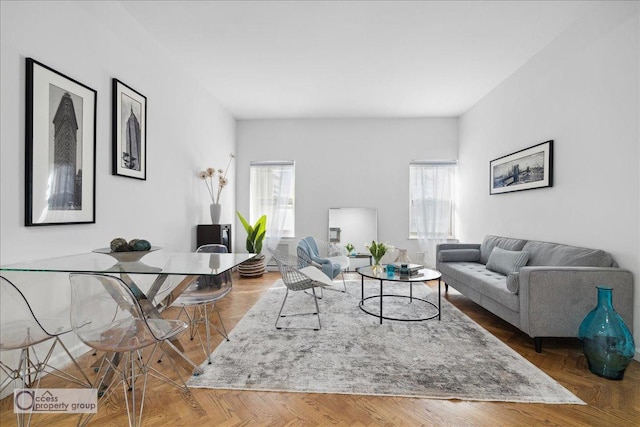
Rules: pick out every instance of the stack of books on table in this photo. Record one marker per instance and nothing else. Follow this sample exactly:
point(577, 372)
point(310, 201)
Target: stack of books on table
point(412, 269)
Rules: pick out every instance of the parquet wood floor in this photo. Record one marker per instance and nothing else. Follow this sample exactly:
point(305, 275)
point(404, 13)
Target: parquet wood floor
point(610, 403)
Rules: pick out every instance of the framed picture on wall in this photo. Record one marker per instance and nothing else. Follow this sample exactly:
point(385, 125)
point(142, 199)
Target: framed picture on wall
point(523, 170)
point(60, 144)
point(129, 131)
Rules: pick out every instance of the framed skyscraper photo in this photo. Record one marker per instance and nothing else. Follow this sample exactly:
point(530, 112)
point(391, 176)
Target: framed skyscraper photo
point(129, 120)
point(60, 148)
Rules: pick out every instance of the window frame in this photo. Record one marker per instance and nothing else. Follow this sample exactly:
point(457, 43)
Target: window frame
point(413, 233)
point(254, 212)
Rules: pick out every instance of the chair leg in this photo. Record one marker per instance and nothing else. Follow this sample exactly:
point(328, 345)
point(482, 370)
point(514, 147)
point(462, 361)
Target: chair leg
point(84, 381)
point(286, 295)
point(204, 316)
point(316, 313)
point(129, 377)
point(317, 308)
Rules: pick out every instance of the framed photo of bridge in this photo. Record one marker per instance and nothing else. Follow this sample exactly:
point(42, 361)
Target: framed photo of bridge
point(523, 170)
point(129, 132)
point(60, 148)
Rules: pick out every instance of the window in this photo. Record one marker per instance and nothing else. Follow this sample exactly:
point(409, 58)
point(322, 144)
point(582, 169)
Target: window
point(272, 193)
point(432, 195)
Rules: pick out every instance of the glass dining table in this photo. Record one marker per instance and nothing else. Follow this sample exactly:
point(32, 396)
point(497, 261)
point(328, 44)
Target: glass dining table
point(156, 277)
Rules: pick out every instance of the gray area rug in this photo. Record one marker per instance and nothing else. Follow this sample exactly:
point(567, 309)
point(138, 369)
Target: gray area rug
point(353, 354)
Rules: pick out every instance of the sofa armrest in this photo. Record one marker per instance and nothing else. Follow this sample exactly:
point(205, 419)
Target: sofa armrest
point(464, 254)
point(555, 300)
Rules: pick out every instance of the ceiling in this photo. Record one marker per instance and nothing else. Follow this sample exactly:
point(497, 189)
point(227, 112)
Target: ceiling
point(346, 59)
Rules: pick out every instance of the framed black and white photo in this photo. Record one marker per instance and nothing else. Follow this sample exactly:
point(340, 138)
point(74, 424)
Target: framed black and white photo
point(129, 132)
point(60, 141)
point(523, 170)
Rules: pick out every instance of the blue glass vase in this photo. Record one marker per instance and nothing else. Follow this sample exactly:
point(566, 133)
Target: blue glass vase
point(606, 340)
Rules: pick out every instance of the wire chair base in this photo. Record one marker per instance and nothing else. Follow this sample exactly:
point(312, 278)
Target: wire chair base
point(313, 313)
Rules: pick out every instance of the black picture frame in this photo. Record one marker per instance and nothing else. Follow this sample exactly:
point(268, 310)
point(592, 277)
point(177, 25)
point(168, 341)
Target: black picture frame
point(526, 169)
point(60, 148)
point(129, 132)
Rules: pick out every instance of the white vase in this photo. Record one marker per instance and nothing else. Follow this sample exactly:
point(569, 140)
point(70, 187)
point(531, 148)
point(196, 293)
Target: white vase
point(403, 257)
point(215, 208)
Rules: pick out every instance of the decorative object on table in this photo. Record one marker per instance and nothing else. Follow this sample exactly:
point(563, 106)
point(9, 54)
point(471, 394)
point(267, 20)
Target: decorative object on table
point(207, 176)
point(378, 250)
point(129, 132)
point(606, 340)
point(523, 170)
point(60, 148)
point(350, 249)
point(254, 267)
point(129, 257)
point(402, 257)
point(408, 269)
point(121, 245)
point(391, 270)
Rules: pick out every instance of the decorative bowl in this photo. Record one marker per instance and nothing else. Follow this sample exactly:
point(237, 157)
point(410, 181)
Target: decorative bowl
point(131, 256)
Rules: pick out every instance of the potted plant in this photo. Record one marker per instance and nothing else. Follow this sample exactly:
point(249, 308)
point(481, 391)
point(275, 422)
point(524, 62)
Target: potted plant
point(255, 236)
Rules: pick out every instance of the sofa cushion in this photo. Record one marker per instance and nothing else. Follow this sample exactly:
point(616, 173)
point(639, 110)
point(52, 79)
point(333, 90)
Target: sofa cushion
point(459, 255)
point(506, 262)
point(487, 283)
point(555, 254)
point(491, 242)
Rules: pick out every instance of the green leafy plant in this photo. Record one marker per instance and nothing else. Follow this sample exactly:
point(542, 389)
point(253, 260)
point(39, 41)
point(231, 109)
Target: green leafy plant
point(378, 249)
point(349, 247)
point(255, 233)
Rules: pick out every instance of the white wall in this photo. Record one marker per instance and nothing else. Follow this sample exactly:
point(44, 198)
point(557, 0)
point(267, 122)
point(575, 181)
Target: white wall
point(582, 91)
point(346, 163)
point(187, 131)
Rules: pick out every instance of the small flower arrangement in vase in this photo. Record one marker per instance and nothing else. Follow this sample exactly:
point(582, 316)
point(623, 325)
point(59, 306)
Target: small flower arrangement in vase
point(378, 250)
point(350, 249)
point(207, 176)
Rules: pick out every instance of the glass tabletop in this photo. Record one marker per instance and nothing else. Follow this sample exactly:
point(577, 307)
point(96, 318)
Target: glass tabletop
point(422, 276)
point(155, 261)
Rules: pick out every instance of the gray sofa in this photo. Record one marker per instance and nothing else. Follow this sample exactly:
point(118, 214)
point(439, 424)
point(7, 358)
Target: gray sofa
point(545, 289)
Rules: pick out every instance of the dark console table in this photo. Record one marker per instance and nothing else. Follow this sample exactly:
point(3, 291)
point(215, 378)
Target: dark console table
point(214, 233)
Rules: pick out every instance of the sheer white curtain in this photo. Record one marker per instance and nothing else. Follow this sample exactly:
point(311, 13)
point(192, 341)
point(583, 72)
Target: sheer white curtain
point(432, 192)
point(272, 193)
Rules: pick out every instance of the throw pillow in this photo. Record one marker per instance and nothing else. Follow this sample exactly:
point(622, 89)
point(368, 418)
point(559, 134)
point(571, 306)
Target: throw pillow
point(506, 262)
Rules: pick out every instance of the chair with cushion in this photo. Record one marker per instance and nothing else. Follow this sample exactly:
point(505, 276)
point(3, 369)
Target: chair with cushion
point(329, 258)
point(201, 297)
point(21, 330)
point(299, 279)
point(106, 316)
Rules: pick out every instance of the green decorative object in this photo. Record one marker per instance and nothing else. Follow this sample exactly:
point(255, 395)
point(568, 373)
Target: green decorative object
point(117, 244)
point(140, 245)
point(255, 234)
